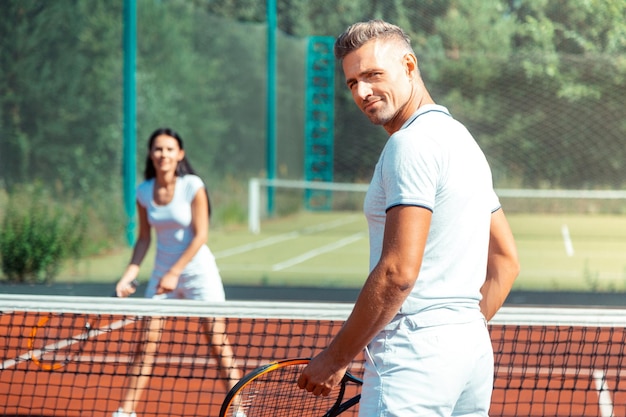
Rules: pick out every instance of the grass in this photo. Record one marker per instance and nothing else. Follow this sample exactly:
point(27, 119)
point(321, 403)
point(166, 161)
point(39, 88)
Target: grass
point(306, 250)
point(596, 264)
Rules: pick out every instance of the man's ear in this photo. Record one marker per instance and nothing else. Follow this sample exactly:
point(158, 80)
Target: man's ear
point(410, 65)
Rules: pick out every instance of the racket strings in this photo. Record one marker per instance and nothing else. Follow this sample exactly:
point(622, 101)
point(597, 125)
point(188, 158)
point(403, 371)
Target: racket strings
point(57, 339)
point(276, 394)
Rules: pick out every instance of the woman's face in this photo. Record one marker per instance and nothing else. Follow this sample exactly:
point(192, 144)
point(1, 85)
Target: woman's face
point(165, 154)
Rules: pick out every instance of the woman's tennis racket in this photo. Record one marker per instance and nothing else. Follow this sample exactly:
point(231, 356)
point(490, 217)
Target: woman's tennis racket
point(57, 339)
point(134, 283)
point(272, 390)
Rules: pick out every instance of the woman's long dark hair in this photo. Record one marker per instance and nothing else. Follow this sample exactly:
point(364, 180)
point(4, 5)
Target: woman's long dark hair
point(182, 168)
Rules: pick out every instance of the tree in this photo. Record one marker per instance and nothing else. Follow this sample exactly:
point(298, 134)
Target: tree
point(60, 81)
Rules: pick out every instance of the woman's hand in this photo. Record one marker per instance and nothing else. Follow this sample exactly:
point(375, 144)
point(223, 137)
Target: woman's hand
point(126, 287)
point(168, 283)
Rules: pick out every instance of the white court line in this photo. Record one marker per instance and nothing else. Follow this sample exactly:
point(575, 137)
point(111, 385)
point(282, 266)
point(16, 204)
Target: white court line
point(567, 241)
point(9, 363)
point(604, 395)
point(284, 237)
point(256, 245)
point(605, 403)
point(316, 252)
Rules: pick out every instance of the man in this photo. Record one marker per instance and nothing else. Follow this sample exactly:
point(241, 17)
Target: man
point(442, 255)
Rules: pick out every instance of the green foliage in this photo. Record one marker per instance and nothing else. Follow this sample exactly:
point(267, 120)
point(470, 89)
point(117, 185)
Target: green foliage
point(38, 234)
point(105, 216)
point(538, 70)
point(228, 202)
point(60, 91)
point(539, 83)
point(233, 213)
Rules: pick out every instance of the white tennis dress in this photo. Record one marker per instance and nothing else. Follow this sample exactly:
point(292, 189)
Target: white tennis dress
point(200, 280)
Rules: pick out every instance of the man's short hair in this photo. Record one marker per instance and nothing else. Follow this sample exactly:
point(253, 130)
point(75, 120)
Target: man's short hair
point(358, 34)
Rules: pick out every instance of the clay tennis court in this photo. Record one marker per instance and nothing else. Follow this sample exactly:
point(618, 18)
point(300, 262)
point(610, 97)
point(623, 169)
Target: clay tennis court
point(185, 379)
point(540, 370)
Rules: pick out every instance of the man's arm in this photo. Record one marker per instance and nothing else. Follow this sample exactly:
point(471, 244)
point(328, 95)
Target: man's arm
point(502, 265)
point(382, 295)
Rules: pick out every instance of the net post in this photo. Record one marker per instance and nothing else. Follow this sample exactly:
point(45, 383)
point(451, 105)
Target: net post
point(254, 213)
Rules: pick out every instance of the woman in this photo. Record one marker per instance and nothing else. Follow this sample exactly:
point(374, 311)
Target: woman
point(173, 201)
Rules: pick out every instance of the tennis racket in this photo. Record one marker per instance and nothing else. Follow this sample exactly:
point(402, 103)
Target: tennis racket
point(272, 390)
point(134, 283)
point(57, 339)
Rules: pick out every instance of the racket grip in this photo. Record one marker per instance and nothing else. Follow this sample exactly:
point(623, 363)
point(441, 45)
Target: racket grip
point(134, 283)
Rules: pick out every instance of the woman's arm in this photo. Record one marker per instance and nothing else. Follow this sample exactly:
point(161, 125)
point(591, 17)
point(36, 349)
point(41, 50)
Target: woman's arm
point(124, 287)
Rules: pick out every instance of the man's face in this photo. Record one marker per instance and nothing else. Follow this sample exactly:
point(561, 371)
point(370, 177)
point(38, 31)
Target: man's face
point(378, 79)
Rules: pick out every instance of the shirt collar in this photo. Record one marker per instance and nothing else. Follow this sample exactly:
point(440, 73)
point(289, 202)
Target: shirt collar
point(427, 108)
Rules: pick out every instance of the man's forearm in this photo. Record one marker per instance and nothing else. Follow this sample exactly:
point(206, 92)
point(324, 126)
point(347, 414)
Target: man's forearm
point(378, 302)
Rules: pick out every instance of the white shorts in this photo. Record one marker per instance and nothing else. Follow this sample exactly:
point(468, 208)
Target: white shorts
point(206, 286)
point(430, 371)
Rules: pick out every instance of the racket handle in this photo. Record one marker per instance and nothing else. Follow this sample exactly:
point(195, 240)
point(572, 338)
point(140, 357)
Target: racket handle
point(134, 283)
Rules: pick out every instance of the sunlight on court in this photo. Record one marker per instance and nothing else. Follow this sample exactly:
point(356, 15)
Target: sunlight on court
point(325, 247)
point(331, 249)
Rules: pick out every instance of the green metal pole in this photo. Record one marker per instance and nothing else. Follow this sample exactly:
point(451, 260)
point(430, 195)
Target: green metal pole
point(271, 101)
point(130, 106)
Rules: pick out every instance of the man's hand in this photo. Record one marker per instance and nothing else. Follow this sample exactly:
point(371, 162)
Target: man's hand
point(321, 375)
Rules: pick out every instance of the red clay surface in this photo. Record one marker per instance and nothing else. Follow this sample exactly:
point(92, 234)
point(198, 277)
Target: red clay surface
point(539, 372)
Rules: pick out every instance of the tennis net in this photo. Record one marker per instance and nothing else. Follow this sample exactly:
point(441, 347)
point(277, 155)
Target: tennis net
point(70, 356)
